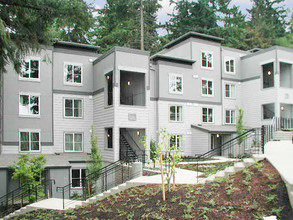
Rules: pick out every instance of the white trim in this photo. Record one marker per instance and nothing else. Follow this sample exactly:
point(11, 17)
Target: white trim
point(177, 134)
point(229, 59)
point(213, 116)
point(75, 168)
point(207, 95)
point(234, 84)
point(206, 67)
point(235, 116)
point(29, 115)
point(29, 131)
point(280, 60)
point(175, 121)
point(64, 74)
point(73, 133)
point(132, 69)
point(73, 99)
point(31, 79)
point(175, 75)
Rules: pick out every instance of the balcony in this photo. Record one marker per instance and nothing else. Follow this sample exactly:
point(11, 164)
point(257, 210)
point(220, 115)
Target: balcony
point(286, 79)
point(132, 88)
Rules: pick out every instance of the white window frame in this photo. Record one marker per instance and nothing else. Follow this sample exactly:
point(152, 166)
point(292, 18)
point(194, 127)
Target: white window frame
point(80, 182)
point(229, 59)
point(230, 97)
point(208, 80)
point(175, 75)
point(73, 99)
point(176, 112)
point(230, 116)
point(177, 139)
point(64, 74)
point(213, 115)
point(29, 131)
point(206, 67)
point(29, 115)
point(29, 78)
point(73, 133)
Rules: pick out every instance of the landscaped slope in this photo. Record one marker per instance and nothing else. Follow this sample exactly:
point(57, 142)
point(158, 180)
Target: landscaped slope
point(250, 194)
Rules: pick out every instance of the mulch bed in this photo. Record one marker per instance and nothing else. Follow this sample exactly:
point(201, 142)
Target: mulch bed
point(258, 191)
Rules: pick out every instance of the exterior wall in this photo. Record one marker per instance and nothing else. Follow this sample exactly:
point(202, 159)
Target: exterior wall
point(4, 182)
point(12, 122)
point(78, 125)
point(201, 140)
point(61, 175)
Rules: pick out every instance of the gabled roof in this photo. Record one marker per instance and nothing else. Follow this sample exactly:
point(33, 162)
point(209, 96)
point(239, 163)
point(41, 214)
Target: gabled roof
point(172, 59)
point(194, 35)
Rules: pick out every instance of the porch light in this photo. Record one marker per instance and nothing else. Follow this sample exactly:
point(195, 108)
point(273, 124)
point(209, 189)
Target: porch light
point(282, 108)
point(138, 133)
point(128, 83)
point(108, 77)
point(108, 135)
point(269, 73)
point(218, 136)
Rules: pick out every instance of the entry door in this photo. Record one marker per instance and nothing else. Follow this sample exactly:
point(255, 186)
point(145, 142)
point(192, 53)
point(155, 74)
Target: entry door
point(216, 142)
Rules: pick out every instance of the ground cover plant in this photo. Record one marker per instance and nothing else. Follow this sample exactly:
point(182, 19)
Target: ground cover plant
point(207, 168)
point(227, 198)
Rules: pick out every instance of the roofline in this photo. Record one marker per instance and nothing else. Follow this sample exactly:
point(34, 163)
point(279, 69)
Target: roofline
point(195, 35)
point(121, 49)
point(77, 45)
point(267, 50)
point(172, 59)
point(212, 132)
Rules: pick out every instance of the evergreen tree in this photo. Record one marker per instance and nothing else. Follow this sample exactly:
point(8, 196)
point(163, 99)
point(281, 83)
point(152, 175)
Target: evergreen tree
point(118, 24)
point(267, 22)
point(26, 24)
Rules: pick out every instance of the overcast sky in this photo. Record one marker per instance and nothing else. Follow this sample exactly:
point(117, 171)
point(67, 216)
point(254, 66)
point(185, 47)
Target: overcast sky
point(166, 8)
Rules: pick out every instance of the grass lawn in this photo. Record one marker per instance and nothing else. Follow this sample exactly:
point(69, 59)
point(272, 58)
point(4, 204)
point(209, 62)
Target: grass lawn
point(208, 168)
point(255, 192)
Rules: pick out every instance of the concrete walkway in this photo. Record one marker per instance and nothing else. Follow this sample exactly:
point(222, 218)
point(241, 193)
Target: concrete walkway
point(55, 204)
point(280, 155)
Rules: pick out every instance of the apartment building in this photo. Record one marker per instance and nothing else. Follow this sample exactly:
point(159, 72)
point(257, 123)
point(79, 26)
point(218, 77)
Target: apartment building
point(192, 88)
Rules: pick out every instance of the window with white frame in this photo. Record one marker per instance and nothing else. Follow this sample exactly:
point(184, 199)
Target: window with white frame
point(176, 83)
point(176, 140)
point(29, 105)
point(73, 108)
point(29, 141)
point(230, 117)
point(30, 69)
point(73, 74)
point(207, 87)
point(77, 177)
point(175, 113)
point(230, 65)
point(207, 115)
point(206, 59)
point(73, 142)
point(230, 91)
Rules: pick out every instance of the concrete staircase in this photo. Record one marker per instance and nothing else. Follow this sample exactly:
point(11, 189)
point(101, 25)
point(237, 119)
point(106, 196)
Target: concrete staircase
point(283, 135)
point(233, 169)
point(114, 190)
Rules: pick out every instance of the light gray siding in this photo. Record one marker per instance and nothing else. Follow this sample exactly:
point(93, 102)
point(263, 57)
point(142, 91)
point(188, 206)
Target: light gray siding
point(4, 181)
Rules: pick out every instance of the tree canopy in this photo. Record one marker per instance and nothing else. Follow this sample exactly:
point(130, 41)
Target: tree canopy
point(24, 25)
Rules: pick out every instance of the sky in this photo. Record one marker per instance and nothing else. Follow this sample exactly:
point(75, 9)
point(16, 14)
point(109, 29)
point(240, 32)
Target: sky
point(166, 8)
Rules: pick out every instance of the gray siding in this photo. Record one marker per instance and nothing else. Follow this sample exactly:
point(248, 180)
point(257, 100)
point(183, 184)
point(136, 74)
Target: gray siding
point(62, 178)
point(4, 181)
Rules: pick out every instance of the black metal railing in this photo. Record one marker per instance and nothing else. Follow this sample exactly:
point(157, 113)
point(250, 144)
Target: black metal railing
point(98, 182)
point(243, 145)
point(25, 195)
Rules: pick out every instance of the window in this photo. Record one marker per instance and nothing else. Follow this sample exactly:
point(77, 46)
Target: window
point(73, 108)
point(268, 75)
point(268, 111)
point(176, 140)
point(230, 91)
point(29, 141)
point(230, 117)
point(73, 74)
point(206, 59)
point(77, 177)
point(29, 105)
point(230, 66)
point(109, 80)
point(30, 69)
point(176, 83)
point(109, 138)
point(207, 115)
point(207, 87)
point(73, 142)
point(175, 113)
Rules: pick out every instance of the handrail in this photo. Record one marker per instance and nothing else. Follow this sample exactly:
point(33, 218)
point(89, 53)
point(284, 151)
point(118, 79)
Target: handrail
point(139, 149)
point(226, 143)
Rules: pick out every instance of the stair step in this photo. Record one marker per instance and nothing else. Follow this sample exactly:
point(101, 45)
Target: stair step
point(220, 174)
point(239, 166)
point(210, 178)
point(248, 161)
point(230, 170)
